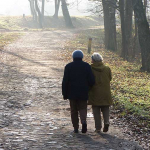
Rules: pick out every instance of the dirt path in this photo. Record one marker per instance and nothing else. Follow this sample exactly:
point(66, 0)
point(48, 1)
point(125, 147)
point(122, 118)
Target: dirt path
point(33, 115)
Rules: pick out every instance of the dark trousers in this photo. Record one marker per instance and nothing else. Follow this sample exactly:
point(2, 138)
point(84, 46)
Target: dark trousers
point(97, 116)
point(78, 106)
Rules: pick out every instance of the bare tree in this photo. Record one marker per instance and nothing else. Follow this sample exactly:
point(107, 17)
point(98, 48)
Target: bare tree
point(57, 4)
point(145, 5)
point(128, 27)
point(33, 11)
point(122, 16)
point(109, 8)
point(43, 7)
point(136, 46)
point(39, 14)
point(143, 33)
point(66, 14)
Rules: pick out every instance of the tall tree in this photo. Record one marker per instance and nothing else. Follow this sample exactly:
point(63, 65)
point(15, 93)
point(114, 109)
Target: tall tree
point(136, 46)
point(128, 26)
point(123, 30)
point(57, 4)
point(43, 7)
point(145, 5)
point(33, 11)
point(143, 33)
point(66, 14)
point(39, 14)
point(31, 7)
point(109, 8)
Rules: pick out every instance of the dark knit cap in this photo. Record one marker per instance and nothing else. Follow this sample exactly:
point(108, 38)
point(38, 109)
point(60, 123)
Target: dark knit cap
point(77, 54)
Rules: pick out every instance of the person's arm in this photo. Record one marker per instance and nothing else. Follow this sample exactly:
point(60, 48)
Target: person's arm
point(91, 78)
point(65, 82)
point(110, 74)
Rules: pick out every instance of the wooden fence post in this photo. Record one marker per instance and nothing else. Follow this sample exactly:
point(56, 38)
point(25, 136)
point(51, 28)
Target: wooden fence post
point(89, 45)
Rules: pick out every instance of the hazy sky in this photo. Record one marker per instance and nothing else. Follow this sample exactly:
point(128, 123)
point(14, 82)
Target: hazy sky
point(19, 7)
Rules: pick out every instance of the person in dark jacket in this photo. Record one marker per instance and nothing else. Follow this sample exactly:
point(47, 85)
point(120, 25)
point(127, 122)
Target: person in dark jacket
point(78, 77)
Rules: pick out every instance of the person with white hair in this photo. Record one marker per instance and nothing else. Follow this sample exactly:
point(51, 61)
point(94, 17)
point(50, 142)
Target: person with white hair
point(100, 94)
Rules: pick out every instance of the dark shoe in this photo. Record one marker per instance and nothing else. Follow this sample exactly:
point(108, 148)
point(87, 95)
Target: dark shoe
point(106, 127)
point(84, 128)
point(75, 131)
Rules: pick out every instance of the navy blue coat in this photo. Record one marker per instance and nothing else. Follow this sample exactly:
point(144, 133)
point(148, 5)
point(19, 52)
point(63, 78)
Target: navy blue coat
point(78, 77)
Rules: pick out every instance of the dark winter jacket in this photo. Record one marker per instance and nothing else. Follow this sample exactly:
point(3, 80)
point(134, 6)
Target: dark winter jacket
point(78, 77)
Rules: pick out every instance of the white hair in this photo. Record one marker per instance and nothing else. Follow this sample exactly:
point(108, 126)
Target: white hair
point(97, 57)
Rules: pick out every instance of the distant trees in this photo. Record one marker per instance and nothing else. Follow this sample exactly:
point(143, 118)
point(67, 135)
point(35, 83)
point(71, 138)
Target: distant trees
point(38, 13)
point(65, 12)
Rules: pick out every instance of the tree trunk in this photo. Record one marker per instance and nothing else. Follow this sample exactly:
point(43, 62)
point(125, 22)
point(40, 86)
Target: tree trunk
point(128, 25)
point(135, 39)
point(110, 24)
point(122, 16)
point(43, 6)
point(143, 33)
point(39, 14)
point(57, 4)
point(106, 22)
point(112, 38)
point(66, 14)
point(31, 7)
point(145, 5)
point(33, 11)
point(136, 45)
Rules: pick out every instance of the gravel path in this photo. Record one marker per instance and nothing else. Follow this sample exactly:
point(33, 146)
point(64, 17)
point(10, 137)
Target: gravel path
point(33, 115)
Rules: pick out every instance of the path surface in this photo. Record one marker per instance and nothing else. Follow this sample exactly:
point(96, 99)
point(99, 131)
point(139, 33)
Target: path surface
point(33, 115)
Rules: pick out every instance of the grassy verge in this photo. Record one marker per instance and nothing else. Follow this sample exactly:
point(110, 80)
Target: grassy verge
point(130, 87)
point(8, 37)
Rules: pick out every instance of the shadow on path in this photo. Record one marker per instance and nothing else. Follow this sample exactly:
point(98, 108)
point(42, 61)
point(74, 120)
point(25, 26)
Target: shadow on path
point(23, 58)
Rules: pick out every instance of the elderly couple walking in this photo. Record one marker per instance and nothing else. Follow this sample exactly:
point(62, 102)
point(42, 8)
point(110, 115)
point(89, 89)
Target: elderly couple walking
point(84, 84)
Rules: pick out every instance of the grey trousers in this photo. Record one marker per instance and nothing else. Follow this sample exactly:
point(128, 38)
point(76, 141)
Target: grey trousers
point(97, 116)
point(78, 107)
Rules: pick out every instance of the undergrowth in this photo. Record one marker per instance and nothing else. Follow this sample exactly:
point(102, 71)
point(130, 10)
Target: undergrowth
point(8, 37)
point(130, 88)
